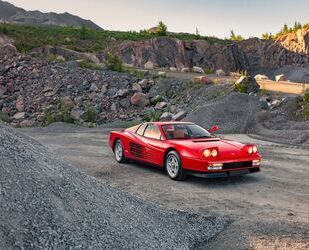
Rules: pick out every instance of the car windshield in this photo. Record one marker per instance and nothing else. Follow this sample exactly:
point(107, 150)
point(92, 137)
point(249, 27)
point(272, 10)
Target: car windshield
point(185, 131)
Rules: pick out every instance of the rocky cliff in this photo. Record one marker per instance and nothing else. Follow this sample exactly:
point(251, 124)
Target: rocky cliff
point(251, 54)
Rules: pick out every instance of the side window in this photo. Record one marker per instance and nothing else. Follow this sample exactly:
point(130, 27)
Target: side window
point(141, 129)
point(153, 132)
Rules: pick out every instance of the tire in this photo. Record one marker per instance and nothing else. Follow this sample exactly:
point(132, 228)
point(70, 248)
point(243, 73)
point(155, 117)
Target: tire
point(119, 152)
point(173, 166)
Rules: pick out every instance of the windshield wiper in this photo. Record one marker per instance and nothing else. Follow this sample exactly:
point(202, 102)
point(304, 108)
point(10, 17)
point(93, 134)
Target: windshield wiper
point(201, 136)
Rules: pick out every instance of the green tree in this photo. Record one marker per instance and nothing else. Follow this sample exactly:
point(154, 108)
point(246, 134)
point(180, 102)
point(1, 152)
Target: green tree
point(285, 29)
point(162, 29)
point(235, 37)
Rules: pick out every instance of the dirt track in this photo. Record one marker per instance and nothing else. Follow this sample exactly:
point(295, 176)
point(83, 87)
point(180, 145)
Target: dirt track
point(268, 209)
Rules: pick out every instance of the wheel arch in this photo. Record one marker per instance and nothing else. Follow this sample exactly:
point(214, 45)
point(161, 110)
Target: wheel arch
point(167, 151)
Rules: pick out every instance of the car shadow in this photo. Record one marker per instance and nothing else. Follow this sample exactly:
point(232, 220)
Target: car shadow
point(213, 182)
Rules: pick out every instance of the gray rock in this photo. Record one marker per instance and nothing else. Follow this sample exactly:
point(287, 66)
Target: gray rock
point(166, 116)
point(179, 116)
point(19, 116)
point(198, 70)
point(94, 87)
point(161, 105)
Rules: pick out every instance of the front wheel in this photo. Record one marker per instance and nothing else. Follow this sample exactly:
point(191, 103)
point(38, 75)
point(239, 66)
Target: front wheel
point(119, 152)
point(173, 166)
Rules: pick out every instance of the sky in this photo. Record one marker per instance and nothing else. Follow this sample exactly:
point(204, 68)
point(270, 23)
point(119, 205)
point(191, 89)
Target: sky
point(211, 17)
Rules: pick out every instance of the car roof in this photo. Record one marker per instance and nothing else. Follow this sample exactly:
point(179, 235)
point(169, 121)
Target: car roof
point(169, 123)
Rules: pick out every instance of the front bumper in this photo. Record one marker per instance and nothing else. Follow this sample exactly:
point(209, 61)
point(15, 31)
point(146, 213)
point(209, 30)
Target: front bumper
point(228, 173)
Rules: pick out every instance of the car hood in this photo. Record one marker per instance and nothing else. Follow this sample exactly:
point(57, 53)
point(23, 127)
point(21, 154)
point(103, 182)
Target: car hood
point(227, 149)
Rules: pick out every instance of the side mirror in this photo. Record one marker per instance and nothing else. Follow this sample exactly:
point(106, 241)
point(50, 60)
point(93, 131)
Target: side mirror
point(213, 129)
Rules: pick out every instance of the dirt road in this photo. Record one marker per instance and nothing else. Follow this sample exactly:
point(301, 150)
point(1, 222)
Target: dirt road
point(267, 210)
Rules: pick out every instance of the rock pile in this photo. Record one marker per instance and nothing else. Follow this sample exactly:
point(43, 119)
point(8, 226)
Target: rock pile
point(47, 204)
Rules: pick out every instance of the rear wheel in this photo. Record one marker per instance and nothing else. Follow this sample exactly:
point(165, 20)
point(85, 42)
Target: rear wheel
point(119, 152)
point(173, 166)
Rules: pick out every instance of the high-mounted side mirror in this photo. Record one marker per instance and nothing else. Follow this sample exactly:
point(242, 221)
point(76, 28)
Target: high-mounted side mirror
point(213, 129)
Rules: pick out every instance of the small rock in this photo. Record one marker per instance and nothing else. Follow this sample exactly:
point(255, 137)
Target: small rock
point(3, 90)
point(198, 70)
point(143, 83)
point(173, 69)
point(220, 72)
point(67, 102)
point(19, 116)
point(20, 105)
point(162, 74)
point(185, 70)
point(77, 114)
point(104, 89)
point(179, 116)
point(161, 105)
point(149, 65)
point(280, 78)
point(139, 99)
point(94, 87)
point(260, 77)
point(122, 92)
point(137, 87)
point(166, 116)
point(26, 123)
point(202, 79)
point(113, 107)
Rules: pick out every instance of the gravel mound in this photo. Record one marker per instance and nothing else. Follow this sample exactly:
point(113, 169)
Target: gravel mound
point(232, 113)
point(47, 204)
point(282, 124)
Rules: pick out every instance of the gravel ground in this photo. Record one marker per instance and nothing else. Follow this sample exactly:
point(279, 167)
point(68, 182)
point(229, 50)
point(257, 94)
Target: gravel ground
point(46, 203)
point(268, 210)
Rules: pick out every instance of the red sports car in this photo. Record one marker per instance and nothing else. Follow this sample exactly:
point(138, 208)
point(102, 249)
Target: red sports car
point(184, 148)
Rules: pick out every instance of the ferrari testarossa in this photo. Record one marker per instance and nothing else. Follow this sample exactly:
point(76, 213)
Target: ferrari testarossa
point(184, 148)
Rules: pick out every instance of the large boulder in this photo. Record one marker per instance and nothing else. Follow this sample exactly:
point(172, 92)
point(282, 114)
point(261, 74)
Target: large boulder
point(139, 99)
point(248, 84)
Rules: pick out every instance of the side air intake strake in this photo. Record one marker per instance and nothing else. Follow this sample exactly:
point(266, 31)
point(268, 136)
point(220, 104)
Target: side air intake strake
point(136, 150)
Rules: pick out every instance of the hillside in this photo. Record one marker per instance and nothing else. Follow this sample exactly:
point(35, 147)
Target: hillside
point(12, 14)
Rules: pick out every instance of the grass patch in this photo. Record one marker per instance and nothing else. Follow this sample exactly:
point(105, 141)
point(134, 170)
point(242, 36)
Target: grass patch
point(89, 65)
point(152, 115)
point(82, 39)
point(60, 113)
point(4, 117)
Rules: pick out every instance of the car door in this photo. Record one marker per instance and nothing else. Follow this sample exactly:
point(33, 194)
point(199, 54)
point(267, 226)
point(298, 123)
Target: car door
point(152, 140)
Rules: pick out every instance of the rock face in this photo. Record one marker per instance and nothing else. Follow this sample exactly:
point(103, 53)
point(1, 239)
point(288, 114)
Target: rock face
point(11, 14)
point(65, 53)
point(54, 206)
point(252, 54)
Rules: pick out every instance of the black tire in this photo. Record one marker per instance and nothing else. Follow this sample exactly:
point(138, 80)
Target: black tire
point(119, 155)
point(176, 173)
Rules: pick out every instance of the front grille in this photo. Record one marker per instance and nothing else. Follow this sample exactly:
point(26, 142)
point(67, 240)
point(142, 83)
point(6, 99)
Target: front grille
point(136, 150)
point(233, 165)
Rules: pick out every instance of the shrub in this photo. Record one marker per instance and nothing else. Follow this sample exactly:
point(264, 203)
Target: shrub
point(114, 63)
point(89, 65)
point(209, 71)
point(305, 104)
point(61, 113)
point(235, 37)
point(161, 29)
point(4, 117)
point(91, 114)
point(152, 115)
